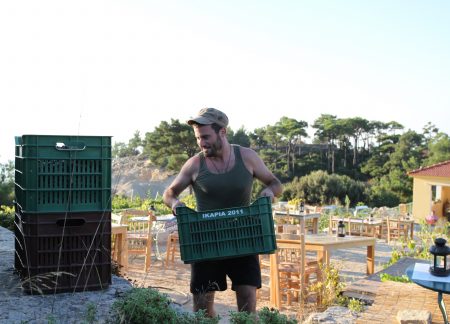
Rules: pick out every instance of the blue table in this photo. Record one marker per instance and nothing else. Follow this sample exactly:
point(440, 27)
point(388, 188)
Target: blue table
point(438, 286)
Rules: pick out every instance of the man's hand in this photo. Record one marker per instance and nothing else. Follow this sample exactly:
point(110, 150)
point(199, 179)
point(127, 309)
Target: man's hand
point(267, 192)
point(175, 204)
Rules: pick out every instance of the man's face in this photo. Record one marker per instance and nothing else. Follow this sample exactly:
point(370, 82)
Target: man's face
point(208, 140)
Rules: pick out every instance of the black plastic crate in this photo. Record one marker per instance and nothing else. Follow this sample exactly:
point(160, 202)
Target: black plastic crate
point(46, 244)
point(45, 280)
point(49, 240)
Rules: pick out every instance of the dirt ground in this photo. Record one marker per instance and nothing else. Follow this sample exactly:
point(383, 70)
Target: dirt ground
point(174, 278)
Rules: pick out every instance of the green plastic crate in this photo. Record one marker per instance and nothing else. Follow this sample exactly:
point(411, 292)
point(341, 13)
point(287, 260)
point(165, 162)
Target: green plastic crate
point(57, 173)
point(225, 233)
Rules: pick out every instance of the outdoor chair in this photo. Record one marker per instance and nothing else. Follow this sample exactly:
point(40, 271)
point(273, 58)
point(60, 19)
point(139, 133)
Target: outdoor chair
point(355, 226)
point(115, 219)
point(395, 229)
point(139, 235)
point(172, 248)
point(286, 268)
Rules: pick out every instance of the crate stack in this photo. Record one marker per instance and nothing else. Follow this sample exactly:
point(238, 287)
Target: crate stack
point(63, 212)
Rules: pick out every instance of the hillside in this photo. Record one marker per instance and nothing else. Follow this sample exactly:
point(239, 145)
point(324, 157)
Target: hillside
point(137, 176)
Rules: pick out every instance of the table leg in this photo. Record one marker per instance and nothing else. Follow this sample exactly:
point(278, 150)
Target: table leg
point(370, 259)
point(315, 222)
point(442, 307)
point(124, 253)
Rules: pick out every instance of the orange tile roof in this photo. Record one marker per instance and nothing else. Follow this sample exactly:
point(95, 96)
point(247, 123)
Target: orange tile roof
point(441, 169)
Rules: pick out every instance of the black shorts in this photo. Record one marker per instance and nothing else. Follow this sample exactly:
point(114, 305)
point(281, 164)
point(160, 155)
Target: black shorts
point(211, 275)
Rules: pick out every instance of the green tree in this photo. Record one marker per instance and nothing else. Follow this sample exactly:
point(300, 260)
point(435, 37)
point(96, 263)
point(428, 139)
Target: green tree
point(438, 149)
point(257, 138)
point(120, 149)
point(239, 137)
point(407, 156)
point(327, 131)
point(291, 131)
point(7, 183)
point(359, 126)
point(135, 142)
point(170, 144)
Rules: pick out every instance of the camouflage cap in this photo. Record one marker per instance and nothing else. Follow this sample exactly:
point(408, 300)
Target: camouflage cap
point(208, 116)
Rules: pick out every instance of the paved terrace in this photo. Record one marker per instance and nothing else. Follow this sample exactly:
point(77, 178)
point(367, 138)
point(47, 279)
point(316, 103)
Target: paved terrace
point(387, 298)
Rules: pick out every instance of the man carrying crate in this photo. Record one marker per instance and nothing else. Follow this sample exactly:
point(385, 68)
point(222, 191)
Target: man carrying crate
point(221, 176)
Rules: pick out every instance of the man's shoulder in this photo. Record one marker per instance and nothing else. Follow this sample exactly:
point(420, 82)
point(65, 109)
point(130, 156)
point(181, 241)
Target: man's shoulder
point(246, 152)
point(194, 160)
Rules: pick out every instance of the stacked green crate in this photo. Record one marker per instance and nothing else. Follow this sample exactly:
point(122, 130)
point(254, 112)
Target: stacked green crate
point(63, 173)
point(63, 212)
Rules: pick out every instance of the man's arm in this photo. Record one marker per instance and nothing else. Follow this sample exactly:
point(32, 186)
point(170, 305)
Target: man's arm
point(181, 182)
point(255, 164)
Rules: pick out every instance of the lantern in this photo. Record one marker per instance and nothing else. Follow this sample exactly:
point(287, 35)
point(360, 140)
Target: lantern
point(302, 207)
point(341, 229)
point(441, 258)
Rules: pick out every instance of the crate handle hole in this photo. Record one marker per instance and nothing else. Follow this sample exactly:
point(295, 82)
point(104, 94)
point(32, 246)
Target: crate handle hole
point(60, 146)
point(70, 222)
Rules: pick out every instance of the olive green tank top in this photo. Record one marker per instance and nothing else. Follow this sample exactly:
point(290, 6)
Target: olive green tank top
point(224, 190)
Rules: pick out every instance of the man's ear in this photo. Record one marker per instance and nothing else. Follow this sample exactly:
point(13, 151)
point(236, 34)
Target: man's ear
point(223, 131)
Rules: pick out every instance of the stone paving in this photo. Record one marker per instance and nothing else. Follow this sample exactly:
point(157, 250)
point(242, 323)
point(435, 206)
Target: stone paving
point(392, 297)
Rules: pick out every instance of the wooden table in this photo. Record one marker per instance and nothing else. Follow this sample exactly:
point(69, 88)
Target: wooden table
point(302, 217)
point(122, 245)
point(324, 244)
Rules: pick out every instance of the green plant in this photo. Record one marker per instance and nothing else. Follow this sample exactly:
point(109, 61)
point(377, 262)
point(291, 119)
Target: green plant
point(355, 305)
point(51, 319)
point(418, 248)
point(198, 317)
point(7, 217)
point(264, 316)
point(91, 312)
point(347, 203)
point(330, 287)
point(243, 318)
point(142, 305)
point(146, 305)
point(387, 277)
point(274, 316)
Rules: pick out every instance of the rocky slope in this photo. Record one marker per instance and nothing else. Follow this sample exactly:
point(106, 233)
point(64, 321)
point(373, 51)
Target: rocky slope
point(137, 176)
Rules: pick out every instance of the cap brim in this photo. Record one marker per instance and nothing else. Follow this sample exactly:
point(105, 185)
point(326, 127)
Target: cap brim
point(200, 120)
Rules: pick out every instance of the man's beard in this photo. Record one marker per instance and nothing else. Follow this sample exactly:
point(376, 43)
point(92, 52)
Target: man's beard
point(214, 148)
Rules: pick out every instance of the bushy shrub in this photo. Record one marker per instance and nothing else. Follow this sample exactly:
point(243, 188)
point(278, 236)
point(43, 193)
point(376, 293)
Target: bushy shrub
point(7, 217)
point(263, 316)
point(380, 196)
point(148, 306)
point(321, 188)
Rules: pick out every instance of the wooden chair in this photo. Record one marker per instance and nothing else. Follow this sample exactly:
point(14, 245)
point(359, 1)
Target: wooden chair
point(289, 270)
point(333, 222)
point(139, 234)
point(172, 248)
point(115, 219)
point(355, 226)
point(395, 229)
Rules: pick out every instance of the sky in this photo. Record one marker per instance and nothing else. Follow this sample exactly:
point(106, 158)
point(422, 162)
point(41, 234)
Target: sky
point(110, 68)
